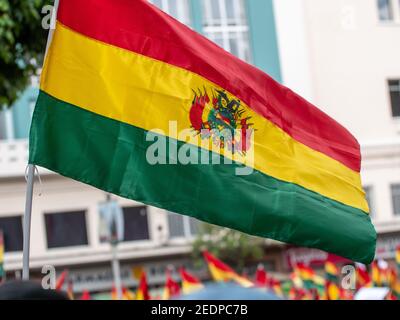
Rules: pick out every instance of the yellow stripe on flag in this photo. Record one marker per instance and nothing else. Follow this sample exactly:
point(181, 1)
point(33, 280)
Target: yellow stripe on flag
point(218, 274)
point(148, 93)
point(188, 288)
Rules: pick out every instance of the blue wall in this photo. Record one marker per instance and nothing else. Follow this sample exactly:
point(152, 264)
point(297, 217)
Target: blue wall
point(263, 37)
point(21, 111)
point(196, 15)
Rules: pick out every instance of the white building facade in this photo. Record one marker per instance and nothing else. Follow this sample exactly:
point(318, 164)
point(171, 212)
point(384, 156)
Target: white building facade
point(344, 56)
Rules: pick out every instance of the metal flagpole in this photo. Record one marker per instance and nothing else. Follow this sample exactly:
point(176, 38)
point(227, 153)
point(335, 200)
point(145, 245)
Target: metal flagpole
point(116, 236)
point(116, 271)
point(52, 25)
point(30, 180)
point(27, 222)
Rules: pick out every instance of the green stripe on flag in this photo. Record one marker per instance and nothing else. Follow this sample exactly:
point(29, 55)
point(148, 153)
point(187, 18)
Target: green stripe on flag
point(111, 156)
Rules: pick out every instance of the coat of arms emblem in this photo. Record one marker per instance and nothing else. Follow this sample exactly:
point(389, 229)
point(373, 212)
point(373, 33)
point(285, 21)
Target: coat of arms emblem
point(221, 118)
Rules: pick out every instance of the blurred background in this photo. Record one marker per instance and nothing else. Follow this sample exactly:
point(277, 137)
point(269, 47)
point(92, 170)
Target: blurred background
point(342, 55)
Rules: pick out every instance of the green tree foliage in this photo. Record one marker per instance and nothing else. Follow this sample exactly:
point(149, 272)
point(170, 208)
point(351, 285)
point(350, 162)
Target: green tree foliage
point(22, 45)
point(235, 248)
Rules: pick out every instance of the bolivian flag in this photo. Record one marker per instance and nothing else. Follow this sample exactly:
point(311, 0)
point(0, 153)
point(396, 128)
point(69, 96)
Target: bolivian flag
point(332, 291)
point(126, 294)
point(172, 288)
point(376, 274)
point(137, 104)
point(143, 289)
point(276, 287)
point(61, 280)
point(221, 272)
point(363, 277)
point(308, 276)
point(2, 273)
point(332, 271)
point(190, 283)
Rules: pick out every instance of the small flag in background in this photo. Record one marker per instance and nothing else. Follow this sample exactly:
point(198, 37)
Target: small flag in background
point(190, 283)
point(114, 295)
point(143, 289)
point(261, 277)
point(331, 271)
point(391, 277)
point(276, 286)
point(396, 289)
point(332, 277)
point(293, 294)
point(223, 273)
point(61, 280)
point(86, 295)
point(309, 277)
point(332, 291)
point(379, 269)
point(363, 276)
point(172, 288)
point(126, 294)
point(117, 70)
point(296, 280)
point(376, 274)
point(2, 272)
point(70, 290)
point(398, 259)
point(391, 296)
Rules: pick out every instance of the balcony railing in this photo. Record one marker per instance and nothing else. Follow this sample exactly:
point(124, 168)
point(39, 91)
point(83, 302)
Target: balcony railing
point(13, 157)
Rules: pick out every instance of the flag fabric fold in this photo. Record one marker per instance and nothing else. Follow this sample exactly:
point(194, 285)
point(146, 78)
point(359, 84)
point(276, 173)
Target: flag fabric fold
point(119, 72)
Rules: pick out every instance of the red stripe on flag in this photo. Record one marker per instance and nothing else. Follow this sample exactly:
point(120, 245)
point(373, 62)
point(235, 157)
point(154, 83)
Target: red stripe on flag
point(188, 277)
point(142, 28)
point(216, 262)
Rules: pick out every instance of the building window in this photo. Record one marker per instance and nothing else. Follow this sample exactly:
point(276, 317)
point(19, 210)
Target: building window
point(225, 23)
point(182, 226)
point(136, 225)
point(385, 10)
point(369, 196)
point(66, 229)
point(394, 89)
point(389, 10)
point(179, 9)
point(12, 233)
point(396, 199)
